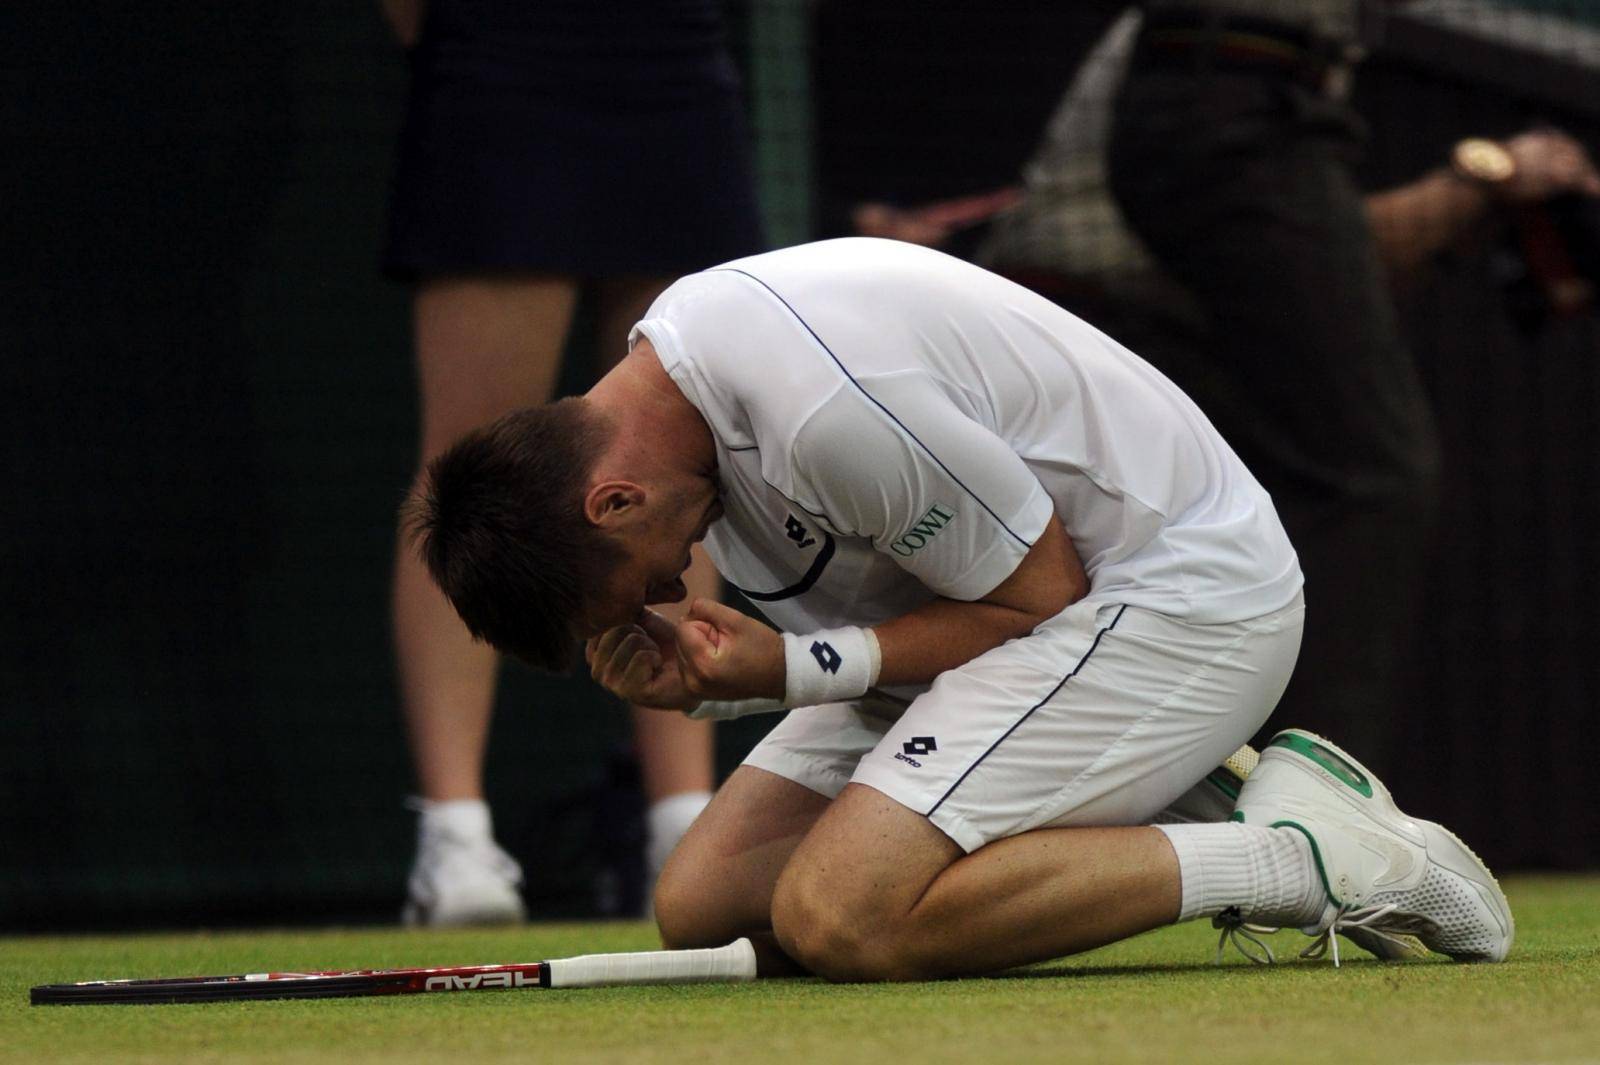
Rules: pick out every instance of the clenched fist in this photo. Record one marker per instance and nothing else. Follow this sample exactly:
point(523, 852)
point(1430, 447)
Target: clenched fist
point(723, 654)
point(714, 653)
point(640, 663)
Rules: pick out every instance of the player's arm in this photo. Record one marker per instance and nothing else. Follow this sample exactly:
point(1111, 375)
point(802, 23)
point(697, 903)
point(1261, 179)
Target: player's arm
point(946, 633)
point(947, 500)
point(728, 655)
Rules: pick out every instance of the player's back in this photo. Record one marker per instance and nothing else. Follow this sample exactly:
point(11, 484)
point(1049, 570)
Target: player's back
point(1147, 488)
point(1159, 507)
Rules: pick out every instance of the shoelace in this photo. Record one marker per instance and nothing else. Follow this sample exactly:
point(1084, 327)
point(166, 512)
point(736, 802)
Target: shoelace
point(1245, 937)
point(1327, 940)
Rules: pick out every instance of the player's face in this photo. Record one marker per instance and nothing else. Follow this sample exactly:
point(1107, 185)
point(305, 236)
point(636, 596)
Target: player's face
point(656, 553)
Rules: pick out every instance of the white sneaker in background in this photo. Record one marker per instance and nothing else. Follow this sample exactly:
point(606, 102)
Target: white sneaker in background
point(460, 876)
point(665, 822)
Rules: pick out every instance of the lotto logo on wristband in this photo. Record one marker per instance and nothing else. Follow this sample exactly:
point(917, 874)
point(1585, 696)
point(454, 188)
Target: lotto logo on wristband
point(826, 656)
point(828, 666)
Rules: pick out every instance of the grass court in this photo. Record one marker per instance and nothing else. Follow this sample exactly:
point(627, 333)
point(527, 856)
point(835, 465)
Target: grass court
point(1154, 998)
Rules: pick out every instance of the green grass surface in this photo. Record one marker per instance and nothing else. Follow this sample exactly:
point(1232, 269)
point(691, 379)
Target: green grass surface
point(1155, 998)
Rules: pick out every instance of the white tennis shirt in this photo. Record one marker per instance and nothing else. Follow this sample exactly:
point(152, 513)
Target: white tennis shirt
point(893, 424)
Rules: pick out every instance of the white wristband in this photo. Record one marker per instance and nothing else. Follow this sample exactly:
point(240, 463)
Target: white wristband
point(829, 666)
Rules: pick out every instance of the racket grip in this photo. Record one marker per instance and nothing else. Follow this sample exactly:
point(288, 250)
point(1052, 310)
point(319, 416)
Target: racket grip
point(736, 961)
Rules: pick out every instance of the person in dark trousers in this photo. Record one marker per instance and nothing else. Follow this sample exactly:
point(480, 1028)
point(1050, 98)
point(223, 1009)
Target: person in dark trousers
point(1232, 154)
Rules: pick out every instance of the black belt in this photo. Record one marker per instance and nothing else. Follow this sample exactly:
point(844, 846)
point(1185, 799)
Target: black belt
point(1198, 40)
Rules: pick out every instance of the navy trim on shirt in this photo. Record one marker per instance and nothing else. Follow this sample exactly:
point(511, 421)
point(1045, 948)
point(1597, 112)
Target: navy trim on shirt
point(875, 402)
point(818, 564)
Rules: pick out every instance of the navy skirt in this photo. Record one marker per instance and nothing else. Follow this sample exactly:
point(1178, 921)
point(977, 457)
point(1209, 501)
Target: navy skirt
point(591, 140)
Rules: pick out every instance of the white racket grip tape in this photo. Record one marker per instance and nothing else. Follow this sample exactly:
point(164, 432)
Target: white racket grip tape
point(736, 961)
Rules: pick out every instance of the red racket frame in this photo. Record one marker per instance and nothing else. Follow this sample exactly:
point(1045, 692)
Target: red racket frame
point(255, 986)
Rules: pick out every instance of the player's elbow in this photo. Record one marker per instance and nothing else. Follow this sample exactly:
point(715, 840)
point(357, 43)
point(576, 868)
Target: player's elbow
point(1050, 578)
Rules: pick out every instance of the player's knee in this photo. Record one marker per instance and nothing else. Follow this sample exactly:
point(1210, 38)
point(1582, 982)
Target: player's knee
point(685, 917)
point(815, 932)
point(832, 937)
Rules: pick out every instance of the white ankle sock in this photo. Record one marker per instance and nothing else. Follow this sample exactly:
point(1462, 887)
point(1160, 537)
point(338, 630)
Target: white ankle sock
point(665, 823)
point(1268, 873)
point(463, 819)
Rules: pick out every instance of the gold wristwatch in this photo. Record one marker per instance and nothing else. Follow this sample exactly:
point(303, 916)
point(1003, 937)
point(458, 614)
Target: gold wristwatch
point(1483, 162)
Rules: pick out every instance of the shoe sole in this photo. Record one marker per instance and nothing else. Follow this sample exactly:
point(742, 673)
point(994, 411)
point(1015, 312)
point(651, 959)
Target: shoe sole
point(1444, 847)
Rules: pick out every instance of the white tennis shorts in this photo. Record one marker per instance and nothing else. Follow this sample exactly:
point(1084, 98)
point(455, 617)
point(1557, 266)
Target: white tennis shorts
point(1106, 714)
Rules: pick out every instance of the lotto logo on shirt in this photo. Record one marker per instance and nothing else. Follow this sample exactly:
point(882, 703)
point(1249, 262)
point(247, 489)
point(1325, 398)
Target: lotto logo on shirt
point(927, 527)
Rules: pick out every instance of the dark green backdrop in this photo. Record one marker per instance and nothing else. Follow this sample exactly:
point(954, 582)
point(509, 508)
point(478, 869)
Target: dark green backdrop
point(206, 424)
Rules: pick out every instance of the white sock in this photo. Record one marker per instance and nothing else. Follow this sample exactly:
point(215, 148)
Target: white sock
point(460, 819)
point(1268, 873)
point(665, 823)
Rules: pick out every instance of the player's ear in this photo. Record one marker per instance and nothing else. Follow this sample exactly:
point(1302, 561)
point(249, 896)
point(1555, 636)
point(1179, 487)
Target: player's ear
point(610, 504)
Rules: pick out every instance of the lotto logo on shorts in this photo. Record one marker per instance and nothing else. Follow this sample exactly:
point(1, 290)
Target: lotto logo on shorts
point(918, 745)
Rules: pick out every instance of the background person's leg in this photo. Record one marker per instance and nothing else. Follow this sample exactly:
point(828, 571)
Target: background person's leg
point(1242, 187)
point(485, 346)
point(677, 755)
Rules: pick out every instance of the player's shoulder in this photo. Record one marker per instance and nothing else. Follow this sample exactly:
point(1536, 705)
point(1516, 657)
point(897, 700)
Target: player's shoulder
point(839, 256)
point(846, 276)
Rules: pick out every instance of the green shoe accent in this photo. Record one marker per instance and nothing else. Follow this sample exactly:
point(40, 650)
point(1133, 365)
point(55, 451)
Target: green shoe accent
point(1316, 856)
point(1237, 815)
point(1307, 747)
point(1224, 782)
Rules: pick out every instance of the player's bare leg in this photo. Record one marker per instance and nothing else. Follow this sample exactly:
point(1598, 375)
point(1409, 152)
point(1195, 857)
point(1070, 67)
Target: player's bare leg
point(676, 754)
point(863, 888)
point(876, 892)
point(718, 884)
point(484, 346)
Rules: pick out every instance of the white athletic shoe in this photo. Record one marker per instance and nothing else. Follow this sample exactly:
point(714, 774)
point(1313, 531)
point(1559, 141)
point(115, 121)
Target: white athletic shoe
point(1222, 785)
point(1386, 874)
point(462, 880)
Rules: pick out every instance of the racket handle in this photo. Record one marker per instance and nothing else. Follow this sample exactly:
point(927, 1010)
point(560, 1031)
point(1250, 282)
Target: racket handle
point(736, 961)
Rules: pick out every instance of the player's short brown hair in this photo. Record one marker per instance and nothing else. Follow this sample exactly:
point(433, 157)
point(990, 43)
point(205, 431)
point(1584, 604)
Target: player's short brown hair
point(499, 521)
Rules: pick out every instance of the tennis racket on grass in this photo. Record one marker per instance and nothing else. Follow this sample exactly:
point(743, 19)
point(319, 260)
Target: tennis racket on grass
point(736, 961)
